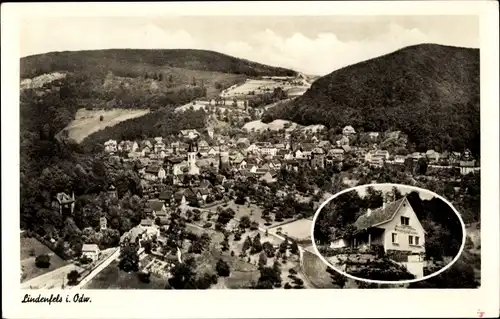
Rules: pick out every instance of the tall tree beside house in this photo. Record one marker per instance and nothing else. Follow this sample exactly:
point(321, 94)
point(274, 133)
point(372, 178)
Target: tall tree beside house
point(374, 198)
point(129, 259)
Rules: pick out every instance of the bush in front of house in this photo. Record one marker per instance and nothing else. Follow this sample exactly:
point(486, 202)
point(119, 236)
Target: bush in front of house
point(84, 260)
point(73, 277)
point(42, 261)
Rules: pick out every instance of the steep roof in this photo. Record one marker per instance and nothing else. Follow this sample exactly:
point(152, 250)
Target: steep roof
point(165, 195)
point(379, 215)
point(90, 247)
point(155, 205)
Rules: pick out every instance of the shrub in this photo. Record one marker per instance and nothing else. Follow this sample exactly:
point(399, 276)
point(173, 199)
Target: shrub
point(73, 277)
point(207, 225)
point(42, 261)
point(144, 277)
point(85, 260)
point(288, 286)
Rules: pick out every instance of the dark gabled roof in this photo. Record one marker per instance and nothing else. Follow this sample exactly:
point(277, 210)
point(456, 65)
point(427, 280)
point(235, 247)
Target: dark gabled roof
point(205, 184)
point(178, 195)
point(155, 205)
point(152, 169)
point(307, 147)
point(165, 195)
point(379, 215)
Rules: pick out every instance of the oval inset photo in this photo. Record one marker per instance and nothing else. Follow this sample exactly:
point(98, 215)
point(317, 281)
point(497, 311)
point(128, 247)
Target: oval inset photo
point(388, 233)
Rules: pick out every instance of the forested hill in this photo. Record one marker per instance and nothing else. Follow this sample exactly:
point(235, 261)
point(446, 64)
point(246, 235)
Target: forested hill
point(134, 62)
point(429, 91)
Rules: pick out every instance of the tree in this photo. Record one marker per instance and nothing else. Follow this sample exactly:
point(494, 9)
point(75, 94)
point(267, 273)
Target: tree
point(101, 118)
point(337, 278)
point(42, 261)
point(73, 277)
point(256, 245)
point(129, 259)
point(294, 248)
point(245, 222)
point(247, 244)
point(144, 277)
point(262, 259)
point(421, 167)
point(268, 249)
point(222, 268)
point(184, 275)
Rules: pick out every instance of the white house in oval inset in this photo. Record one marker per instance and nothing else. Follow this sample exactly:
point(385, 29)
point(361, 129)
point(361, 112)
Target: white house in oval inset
point(395, 226)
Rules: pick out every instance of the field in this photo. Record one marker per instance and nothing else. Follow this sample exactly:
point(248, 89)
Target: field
point(113, 278)
point(315, 270)
point(248, 86)
point(299, 229)
point(264, 86)
point(275, 125)
point(87, 122)
point(29, 269)
point(252, 211)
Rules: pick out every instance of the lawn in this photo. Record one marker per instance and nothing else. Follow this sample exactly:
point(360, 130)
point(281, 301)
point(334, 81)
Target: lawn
point(28, 268)
point(299, 229)
point(87, 122)
point(254, 212)
point(114, 278)
point(315, 270)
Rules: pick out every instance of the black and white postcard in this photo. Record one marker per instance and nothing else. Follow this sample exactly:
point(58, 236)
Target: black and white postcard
point(237, 159)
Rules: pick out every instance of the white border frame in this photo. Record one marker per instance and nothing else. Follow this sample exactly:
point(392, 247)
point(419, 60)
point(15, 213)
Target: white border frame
point(482, 302)
point(389, 282)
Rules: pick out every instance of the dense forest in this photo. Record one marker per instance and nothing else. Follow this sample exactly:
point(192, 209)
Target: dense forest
point(443, 228)
point(50, 163)
point(429, 91)
point(163, 122)
point(134, 62)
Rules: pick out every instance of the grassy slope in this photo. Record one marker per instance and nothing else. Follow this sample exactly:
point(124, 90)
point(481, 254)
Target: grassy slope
point(29, 269)
point(430, 91)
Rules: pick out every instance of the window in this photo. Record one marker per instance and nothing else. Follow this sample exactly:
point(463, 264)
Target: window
point(405, 221)
point(410, 240)
point(394, 238)
point(417, 240)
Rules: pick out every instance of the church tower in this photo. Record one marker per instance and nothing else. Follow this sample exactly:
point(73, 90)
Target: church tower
point(191, 155)
point(191, 160)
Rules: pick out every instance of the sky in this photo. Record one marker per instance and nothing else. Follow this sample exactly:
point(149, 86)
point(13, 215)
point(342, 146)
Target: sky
point(312, 45)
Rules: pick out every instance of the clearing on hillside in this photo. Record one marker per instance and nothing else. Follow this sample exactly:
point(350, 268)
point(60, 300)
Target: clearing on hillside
point(87, 122)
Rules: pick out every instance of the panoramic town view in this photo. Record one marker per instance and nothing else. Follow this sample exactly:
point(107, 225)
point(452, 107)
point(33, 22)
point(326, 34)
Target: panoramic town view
point(201, 168)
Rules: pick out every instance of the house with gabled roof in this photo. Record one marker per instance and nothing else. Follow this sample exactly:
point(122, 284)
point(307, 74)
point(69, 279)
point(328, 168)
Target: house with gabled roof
point(269, 176)
point(395, 226)
point(157, 207)
point(91, 251)
point(348, 130)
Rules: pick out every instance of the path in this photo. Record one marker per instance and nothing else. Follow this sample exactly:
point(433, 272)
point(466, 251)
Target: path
point(98, 269)
point(54, 279)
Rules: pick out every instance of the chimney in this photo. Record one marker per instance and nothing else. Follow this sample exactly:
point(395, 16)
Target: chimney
point(368, 212)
